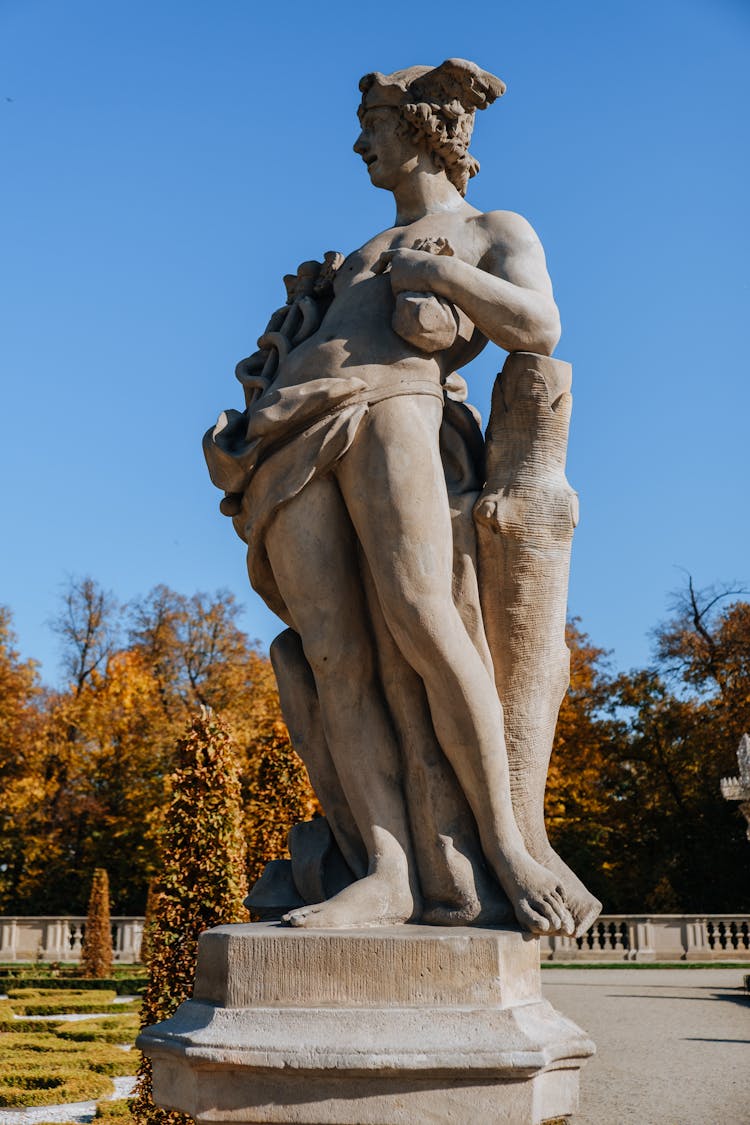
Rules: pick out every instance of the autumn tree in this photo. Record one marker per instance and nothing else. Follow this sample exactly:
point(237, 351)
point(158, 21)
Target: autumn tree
point(633, 800)
point(704, 648)
point(96, 954)
point(99, 773)
point(680, 846)
point(21, 700)
point(86, 784)
point(87, 626)
point(579, 787)
point(199, 656)
point(201, 882)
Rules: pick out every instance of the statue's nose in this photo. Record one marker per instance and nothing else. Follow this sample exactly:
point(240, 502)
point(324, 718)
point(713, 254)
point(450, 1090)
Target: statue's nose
point(360, 146)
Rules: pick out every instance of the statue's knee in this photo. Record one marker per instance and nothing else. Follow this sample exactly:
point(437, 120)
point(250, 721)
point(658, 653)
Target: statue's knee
point(288, 657)
point(286, 649)
point(334, 655)
point(421, 629)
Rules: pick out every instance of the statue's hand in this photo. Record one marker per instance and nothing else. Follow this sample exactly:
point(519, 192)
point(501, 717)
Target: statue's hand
point(426, 322)
point(409, 270)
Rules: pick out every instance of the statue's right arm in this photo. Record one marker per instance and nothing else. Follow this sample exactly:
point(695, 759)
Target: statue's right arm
point(508, 296)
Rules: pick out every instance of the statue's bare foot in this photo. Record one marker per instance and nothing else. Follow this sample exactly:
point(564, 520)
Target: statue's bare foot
point(538, 898)
point(579, 900)
point(482, 904)
point(376, 900)
point(584, 906)
point(475, 913)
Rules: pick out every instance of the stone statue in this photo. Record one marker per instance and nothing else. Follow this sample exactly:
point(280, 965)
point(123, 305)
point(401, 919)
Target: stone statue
point(738, 788)
point(421, 569)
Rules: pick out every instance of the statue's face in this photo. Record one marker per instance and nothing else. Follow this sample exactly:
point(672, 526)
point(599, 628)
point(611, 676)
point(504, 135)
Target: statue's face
point(388, 156)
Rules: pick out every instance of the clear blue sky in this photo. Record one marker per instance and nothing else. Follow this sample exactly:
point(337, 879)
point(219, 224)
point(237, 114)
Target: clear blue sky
point(165, 163)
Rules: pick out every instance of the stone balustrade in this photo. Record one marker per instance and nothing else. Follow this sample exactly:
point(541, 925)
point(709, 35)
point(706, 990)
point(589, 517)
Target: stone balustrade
point(656, 937)
point(613, 937)
point(43, 938)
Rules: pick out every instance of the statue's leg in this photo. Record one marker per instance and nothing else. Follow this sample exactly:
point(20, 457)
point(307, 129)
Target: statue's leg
point(393, 484)
point(525, 519)
point(301, 710)
point(457, 887)
point(313, 553)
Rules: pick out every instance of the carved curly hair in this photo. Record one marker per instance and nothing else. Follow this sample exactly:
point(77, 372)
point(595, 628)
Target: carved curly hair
point(444, 131)
point(436, 107)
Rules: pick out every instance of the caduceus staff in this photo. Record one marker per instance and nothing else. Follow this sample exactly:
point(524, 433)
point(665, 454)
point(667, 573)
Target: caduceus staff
point(309, 293)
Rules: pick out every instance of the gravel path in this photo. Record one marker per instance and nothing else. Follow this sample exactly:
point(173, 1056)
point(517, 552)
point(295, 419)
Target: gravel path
point(673, 1045)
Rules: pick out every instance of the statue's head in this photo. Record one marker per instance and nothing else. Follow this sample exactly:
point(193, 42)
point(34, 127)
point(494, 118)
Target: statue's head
point(434, 109)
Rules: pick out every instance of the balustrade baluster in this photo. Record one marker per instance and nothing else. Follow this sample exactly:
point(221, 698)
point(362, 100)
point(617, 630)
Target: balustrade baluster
point(611, 938)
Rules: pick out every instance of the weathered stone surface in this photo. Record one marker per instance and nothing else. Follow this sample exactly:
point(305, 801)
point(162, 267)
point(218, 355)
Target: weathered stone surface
point(397, 966)
point(422, 573)
point(425, 660)
point(404, 1024)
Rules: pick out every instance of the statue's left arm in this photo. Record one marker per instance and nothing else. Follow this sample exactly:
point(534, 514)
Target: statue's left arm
point(508, 296)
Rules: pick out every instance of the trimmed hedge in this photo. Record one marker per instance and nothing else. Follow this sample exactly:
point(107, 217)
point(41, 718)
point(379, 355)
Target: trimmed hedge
point(97, 954)
point(49, 1070)
point(53, 1002)
point(113, 1029)
point(57, 995)
point(28, 1027)
point(55, 1061)
point(33, 1090)
point(114, 1111)
point(123, 986)
point(54, 969)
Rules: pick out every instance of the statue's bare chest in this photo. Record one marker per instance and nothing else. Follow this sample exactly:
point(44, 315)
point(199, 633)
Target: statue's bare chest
point(460, 233)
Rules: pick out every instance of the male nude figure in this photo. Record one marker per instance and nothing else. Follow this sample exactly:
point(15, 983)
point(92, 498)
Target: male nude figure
point(383, 506)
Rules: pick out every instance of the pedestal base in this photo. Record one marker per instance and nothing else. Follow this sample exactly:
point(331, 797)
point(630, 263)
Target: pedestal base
point(367, 1027)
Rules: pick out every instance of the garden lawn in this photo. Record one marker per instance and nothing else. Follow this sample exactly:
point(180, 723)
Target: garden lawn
point(53, 1062)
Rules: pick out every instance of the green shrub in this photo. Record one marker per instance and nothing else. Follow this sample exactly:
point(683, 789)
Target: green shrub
point(32, 1081)
point(113, 1029)
point(66, 1003)
point(122, 985)
point(201, 884)
point(126, 1063)
point(79, 1007)
point(53, 1054)
point(42, 1002)
point(49, 1070)
point(20, 1041)
point(96, 954)
point(53, 970)
point(75, 1087)
point(28, 1027)
point(58, 996)
point(114, 1111)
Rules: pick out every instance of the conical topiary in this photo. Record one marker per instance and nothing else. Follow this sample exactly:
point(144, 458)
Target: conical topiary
point(96, 954)
point(202, 881)
point(149, 922)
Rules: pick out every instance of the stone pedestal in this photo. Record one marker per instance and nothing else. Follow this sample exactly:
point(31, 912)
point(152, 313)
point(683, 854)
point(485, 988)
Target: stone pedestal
point(387, 1026)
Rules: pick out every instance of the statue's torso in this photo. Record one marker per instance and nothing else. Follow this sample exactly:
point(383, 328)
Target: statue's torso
point(355, 337)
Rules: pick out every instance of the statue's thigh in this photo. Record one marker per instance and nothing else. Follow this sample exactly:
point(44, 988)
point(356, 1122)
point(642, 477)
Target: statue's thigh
point(312, 549)
point(393, 483)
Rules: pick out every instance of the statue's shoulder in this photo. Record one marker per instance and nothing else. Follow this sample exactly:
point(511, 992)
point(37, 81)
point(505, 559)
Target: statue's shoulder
point(508, 230)
point(513, 251)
